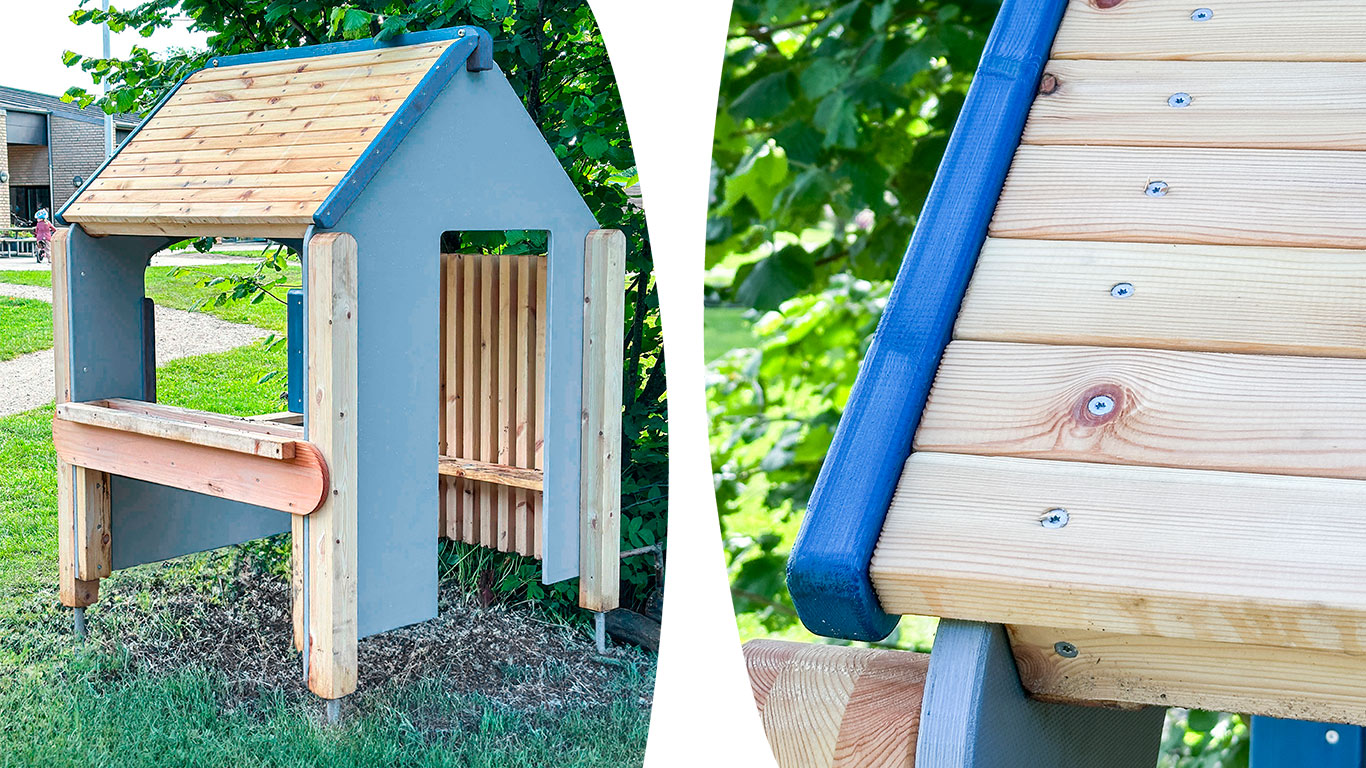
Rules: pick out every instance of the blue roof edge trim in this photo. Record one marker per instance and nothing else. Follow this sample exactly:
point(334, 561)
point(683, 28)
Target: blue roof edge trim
point(58, 216)
point(358, 46)
point(828, 570)
point(472, 50)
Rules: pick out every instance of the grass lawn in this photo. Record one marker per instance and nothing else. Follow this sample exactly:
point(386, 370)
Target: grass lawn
point(169, 289)
point(25, 326)
point(67, 704)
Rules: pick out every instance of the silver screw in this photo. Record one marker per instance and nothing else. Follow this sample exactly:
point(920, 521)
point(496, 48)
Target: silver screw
point(1122, 290)
point(1179, 100)
point(1202, 14)
point(1155, 189)
point(1331, 736)
point(215, 62)
point(1054, 518)
point(1100, 405)
point(461, 33)
point(1065, 649)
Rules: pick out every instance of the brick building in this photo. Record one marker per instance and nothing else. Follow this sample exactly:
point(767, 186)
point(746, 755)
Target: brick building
point(51, 148)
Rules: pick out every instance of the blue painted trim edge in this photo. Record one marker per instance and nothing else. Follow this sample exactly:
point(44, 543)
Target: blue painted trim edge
point(387, 140)
point(58, 217)
point(827, 572)
point(476, 42)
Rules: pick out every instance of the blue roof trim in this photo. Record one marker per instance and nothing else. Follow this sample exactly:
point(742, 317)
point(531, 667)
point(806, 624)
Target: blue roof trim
point(470, 50)
point(827, 572)
point(356, 46)
point(57, 218)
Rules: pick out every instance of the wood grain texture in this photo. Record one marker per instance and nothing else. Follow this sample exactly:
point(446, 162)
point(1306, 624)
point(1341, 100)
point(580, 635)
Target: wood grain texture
point(1200, 410)
point(93, 512)
point(1214, 196)
point(1316, 105)
point(600, 427)
point(826, 706)
point(213, 436)
point(1296, 683)
point(1289, 301)
point(497, 474)
point(280, 110)
point(1305, 30)
point(295, 485)
point(332, 405)
point(72, 590)
point(1193, 554)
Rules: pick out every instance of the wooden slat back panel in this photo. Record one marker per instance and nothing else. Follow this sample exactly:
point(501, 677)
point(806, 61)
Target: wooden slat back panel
point(262, 118)
point(1243, 30)
point(1316, 105)
point(494, 344)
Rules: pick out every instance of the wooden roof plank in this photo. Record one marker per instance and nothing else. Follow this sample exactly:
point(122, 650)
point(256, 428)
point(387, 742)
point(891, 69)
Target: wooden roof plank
point(316, 64)
point(156, 132)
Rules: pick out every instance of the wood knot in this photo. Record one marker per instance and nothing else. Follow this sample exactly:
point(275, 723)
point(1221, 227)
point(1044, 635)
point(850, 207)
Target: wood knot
point(1049, 84)
point(1098, 405)
point(1106, 5)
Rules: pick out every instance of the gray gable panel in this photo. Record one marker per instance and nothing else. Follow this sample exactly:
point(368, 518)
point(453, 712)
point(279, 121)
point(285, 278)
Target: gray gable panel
point(475, 160)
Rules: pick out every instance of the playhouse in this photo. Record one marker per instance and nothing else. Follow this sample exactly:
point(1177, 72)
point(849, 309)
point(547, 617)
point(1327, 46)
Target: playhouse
point(473, 395)
point(1120, 391)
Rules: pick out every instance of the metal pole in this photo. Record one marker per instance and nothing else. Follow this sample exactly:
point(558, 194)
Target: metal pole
point(79, 624)
point(600, 631)
point(108, 118)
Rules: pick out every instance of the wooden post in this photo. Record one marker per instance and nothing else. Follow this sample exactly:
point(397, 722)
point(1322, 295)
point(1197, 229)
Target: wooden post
point(76, 588)
point(330, 578)
point(600, 485)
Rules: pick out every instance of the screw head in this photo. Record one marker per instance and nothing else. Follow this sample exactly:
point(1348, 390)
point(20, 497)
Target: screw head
point(215, 62)
point(1054, 518)
point(1179, 100)
point(1331, 736)
point(1155, 189)
point(1122, 290)
point(1202, 14)
point(1100, 405)
point(1065, 649)
point(460, 33)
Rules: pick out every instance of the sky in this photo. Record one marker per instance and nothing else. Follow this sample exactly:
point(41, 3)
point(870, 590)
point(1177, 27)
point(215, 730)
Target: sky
point(38, 31)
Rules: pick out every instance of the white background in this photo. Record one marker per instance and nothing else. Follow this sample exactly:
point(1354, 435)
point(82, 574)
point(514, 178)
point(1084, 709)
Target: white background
point(669, 74)
point(668, 71)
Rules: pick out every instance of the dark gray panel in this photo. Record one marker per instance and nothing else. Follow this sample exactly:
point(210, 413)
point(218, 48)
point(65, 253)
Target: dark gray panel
point(474, 161)
point(25, 128)
point(149, 522)
point(976, 714)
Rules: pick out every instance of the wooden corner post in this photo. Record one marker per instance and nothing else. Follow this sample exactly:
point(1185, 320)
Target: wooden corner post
point(82, 494)
point(329, 558)
point(600, 459)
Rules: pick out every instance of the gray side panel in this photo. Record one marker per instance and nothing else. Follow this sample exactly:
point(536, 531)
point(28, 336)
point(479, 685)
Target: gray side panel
point(976, 714)
point(149, 522)
point(475, 161)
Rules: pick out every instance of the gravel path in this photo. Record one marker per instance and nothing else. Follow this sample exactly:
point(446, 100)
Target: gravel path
point(28, 381)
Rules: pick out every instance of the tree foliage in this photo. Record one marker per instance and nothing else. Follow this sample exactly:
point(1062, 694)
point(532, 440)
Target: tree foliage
point(555, 59)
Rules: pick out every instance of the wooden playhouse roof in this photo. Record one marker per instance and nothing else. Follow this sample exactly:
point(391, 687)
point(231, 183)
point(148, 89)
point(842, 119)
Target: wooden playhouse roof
point(262, 144)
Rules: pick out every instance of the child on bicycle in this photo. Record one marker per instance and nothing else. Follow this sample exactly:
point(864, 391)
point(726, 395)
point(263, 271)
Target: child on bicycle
point(43, 230)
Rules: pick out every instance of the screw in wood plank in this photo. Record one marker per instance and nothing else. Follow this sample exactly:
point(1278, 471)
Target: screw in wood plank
point(1055, 518)
point(1155, 189)
point(1100, 405)
point(1122, 290)
point(1065, 649)
point(1179, 100)
point(1202, 14)
point(1331, 736)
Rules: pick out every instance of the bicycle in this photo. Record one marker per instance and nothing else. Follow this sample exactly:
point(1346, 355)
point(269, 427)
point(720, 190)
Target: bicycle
point(40, 252)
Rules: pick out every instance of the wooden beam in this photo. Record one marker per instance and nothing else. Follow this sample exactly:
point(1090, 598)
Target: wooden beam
point(1287, 301)
point(1158, 408)
point(1305, 30)
point(483, 471)
point(824, 706)
point(1195, 554)
point(229, 439)
point(600, 446)
point(1203, 196)
point(73, 590)
point(1296, 683)
point(289, 418)
point(159, 224)
point(332, 417)
point(294, 485)
point(93, 513)
point(1318, 105)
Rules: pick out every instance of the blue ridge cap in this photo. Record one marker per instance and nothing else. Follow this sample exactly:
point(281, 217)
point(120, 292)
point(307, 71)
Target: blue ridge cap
point(828, 570)
point(473, 50)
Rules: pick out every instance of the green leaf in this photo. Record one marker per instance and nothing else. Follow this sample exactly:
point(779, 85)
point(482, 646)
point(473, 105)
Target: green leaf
point(776, 278)
point(1202, 720)
point(822, 77)
point(595, 146)
point(766, 98)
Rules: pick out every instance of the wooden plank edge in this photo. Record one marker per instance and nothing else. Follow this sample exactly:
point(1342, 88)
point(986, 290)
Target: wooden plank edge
point(224, 438)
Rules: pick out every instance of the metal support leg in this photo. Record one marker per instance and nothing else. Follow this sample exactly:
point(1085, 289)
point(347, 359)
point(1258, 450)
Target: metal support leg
point(78, 623)
point(334, 711)
point(600, 631)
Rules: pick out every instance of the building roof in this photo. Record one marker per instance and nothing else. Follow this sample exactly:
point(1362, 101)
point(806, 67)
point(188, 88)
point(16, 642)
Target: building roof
point(272, 142)
point(25, 101)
